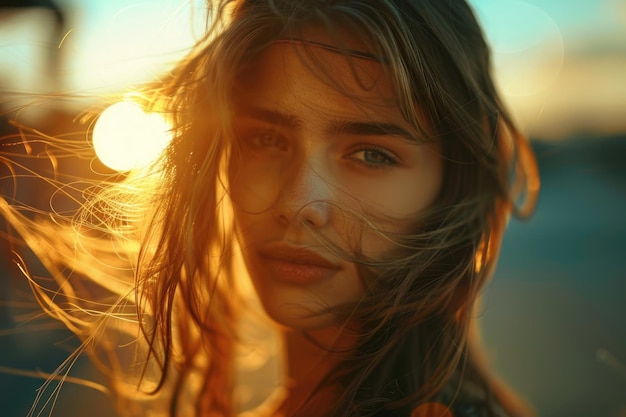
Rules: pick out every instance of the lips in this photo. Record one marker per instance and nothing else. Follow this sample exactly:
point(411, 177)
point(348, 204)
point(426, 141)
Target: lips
point(296, 264)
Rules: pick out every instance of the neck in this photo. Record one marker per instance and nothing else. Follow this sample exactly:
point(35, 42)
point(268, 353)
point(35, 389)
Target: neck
point(309, 359)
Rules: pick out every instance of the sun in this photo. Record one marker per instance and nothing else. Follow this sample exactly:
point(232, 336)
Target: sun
point(126, 138)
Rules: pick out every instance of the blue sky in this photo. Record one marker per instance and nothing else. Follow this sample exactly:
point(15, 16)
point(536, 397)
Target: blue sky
point(578, 21)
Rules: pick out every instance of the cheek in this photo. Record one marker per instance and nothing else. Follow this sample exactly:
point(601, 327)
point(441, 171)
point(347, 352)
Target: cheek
point(379, 244)
point(401, 216)
point(396, 201)
point(253, 188)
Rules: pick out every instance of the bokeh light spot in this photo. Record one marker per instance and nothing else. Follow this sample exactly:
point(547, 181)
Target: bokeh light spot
point(127, 138)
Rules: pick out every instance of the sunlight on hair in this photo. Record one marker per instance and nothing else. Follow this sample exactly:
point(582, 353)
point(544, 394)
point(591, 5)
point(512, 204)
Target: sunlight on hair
point(127, 138)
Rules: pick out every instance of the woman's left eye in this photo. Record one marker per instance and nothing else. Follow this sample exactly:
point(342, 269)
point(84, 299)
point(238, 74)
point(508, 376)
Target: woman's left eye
point(374, 157)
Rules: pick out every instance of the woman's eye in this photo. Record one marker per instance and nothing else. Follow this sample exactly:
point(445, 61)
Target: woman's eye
point(269, 140)
point(374, 158)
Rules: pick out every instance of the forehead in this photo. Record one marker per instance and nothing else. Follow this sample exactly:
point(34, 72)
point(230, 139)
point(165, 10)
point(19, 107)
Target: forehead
point(335, 75)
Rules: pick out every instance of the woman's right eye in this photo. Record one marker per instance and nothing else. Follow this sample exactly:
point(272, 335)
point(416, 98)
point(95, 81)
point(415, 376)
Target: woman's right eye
point(268, 140)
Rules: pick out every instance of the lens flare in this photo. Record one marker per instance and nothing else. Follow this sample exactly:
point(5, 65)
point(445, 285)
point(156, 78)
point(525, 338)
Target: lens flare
point(126, 138)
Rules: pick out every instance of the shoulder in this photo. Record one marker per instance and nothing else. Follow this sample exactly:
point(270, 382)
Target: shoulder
point(466, 399)
point(457, 409)
point(470, 401)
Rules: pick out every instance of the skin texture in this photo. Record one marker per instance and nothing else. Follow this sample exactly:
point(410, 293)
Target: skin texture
point(307, 148)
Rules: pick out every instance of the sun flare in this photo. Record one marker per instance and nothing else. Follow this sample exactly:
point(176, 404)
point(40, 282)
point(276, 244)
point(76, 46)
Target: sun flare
point(126, 138)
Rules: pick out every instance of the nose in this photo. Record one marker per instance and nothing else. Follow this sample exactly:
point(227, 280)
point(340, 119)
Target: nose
point(304, 197)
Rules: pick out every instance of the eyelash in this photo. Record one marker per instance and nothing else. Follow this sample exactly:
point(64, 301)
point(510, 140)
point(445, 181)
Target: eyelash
point(389, 159)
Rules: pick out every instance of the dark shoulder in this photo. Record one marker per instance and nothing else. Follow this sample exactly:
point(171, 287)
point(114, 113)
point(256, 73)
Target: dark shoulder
point(456, 409)
point(456, 399)
point(473, 400)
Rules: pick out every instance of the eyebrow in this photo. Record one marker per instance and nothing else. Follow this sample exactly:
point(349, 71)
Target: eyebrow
point(271, 116)
point(338, 127)
point(372, 128)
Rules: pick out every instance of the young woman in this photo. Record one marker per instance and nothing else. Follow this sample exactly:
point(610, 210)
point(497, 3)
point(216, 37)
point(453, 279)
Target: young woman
point(352, 159)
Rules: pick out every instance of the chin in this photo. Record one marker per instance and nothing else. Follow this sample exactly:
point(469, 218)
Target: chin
point(298, 313)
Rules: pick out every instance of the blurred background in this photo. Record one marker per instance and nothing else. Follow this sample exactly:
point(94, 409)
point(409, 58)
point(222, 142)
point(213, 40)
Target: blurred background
point(554, 317)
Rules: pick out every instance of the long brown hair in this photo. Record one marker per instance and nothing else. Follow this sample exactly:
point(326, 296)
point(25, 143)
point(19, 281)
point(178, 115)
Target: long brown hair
point(176, 237)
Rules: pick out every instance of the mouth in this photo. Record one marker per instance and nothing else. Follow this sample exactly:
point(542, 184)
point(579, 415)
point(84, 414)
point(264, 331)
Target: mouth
point(296, 264)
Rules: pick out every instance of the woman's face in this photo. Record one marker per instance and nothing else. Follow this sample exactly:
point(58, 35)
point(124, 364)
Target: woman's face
point(329, 157)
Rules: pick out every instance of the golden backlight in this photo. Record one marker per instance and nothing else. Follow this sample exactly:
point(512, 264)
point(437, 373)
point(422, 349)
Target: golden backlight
point(127, 138)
